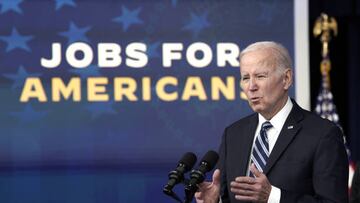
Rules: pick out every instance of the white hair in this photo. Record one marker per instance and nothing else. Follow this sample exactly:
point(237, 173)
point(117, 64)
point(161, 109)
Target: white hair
point(278, 55)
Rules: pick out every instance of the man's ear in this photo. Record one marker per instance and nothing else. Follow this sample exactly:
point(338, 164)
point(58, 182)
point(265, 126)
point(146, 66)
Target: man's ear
point(288, 78)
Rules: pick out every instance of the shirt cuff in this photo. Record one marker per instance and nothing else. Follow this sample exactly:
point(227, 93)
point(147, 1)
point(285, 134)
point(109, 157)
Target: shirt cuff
point(275, 195)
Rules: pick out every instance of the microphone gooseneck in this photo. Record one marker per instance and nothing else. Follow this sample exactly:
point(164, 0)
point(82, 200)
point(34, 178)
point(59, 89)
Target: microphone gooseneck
point(177, 176)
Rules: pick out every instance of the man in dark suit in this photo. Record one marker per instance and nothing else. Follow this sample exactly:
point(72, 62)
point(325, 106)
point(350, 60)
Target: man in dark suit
point(281, 153)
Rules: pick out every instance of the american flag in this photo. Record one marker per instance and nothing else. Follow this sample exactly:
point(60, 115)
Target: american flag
point(325, 107)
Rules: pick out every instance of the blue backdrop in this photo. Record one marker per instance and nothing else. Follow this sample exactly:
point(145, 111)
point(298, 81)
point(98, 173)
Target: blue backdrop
point(117, 151)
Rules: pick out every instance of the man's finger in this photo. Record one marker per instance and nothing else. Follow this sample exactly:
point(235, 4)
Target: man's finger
point(240, 185)
point(255, 171)
point(216, 177)
point(245, 179)
point(203, 185)
point(198, 195)
point(244, 198)
point(242, 192)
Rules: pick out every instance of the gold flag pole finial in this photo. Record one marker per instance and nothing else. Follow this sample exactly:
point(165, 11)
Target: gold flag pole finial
point(323, 27)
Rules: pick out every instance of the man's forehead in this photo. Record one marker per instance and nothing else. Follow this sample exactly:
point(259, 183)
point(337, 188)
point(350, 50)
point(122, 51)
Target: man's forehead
point(260, 57)
point(257, 54)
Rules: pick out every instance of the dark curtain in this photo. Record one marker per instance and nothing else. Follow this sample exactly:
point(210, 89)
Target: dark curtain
point(345, 58)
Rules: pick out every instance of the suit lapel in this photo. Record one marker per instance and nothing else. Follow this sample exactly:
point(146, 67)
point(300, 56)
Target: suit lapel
point(247, 138)
point(291, 126)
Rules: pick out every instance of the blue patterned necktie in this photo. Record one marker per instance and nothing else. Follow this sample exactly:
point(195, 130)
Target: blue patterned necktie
point(260, 152)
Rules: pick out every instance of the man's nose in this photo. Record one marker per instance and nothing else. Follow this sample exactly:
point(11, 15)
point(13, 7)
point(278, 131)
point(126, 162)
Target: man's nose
point(253, 85)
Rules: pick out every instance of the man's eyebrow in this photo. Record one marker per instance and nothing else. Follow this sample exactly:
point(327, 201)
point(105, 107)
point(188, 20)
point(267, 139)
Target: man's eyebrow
point(262, 72)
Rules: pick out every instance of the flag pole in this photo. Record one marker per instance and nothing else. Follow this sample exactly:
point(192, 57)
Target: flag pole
point(325, 107)
point(324, 27)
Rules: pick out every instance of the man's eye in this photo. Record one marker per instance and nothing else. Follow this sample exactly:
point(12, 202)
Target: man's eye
point(245, 78)
point(261, 76)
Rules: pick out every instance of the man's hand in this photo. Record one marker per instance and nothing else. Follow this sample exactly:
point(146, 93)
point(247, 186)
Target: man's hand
point(251, 189)
point(209, 192)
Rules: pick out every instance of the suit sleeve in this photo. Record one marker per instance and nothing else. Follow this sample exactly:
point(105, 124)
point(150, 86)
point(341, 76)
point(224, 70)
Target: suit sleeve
point(330, 172)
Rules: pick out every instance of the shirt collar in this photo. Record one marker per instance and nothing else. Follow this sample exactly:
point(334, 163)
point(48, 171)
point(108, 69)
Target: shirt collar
point(279, 119)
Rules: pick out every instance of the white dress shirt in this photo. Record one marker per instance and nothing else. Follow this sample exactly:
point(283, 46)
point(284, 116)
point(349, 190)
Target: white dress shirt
point(273, 133)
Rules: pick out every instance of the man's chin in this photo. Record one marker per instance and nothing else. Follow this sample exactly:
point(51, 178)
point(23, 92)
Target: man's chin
point(256, 108)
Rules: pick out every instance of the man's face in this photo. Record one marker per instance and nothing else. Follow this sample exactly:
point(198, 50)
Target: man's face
point(264, 85)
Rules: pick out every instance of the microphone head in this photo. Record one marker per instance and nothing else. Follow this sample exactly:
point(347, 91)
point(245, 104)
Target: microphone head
point(207, 163)
point(210, 158)
point(188, 160)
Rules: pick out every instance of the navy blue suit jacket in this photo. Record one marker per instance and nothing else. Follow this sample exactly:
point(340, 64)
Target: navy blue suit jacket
point(308, 162)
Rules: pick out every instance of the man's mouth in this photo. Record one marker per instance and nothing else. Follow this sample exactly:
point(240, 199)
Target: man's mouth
point(254, 99)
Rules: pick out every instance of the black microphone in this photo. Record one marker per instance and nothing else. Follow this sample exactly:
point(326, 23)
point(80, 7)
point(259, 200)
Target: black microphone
point(207, 163)
point(176, 176)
